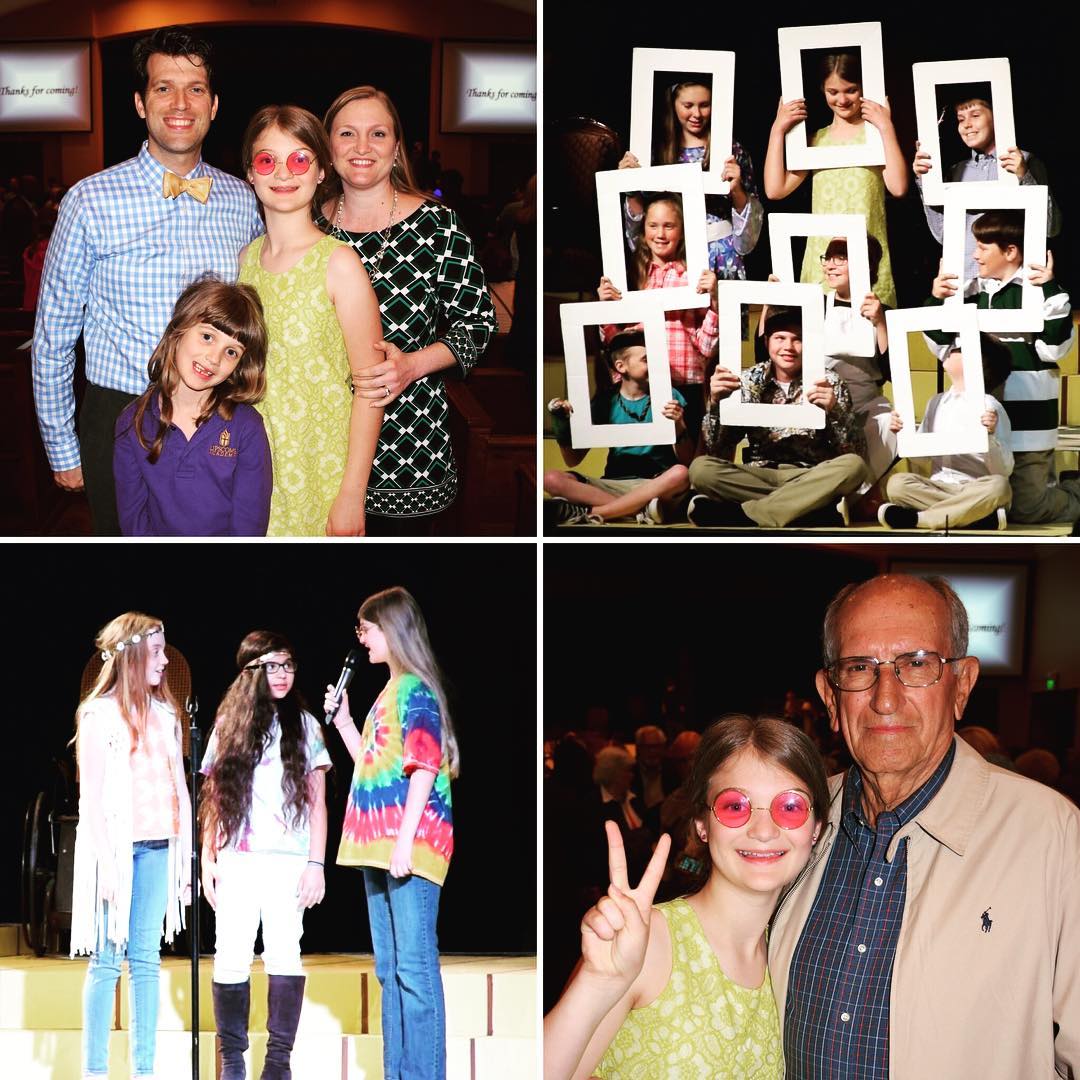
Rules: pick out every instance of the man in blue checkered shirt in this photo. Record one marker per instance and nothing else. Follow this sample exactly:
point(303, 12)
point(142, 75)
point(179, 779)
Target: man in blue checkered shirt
point(127, 242)
point(936, 930)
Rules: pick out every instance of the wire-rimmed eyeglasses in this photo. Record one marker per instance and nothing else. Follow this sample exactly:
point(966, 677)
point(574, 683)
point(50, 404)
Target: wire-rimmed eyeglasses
point(918, 669)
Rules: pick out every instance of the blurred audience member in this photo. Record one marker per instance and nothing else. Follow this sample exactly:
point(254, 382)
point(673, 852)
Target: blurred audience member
point(648, 783)
point(986, 743)
point(33, 257)
point(1041, 765)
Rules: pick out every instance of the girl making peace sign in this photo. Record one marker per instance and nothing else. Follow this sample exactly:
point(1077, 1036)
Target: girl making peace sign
point(682, 989)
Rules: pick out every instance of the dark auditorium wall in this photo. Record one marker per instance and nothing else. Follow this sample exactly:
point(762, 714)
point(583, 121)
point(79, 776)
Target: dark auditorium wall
point(72, 156)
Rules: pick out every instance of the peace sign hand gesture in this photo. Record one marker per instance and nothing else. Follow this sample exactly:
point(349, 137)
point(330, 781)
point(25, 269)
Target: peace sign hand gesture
point(615, 932)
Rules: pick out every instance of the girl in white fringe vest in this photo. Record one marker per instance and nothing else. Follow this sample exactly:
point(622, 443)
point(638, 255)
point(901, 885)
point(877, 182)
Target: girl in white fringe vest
point(133, 843)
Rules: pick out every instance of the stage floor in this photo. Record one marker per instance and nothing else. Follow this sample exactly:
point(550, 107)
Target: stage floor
point(491, 1018)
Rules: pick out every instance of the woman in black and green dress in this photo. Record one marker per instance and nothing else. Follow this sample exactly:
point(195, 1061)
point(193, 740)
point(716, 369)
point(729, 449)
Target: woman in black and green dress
point(436, 311)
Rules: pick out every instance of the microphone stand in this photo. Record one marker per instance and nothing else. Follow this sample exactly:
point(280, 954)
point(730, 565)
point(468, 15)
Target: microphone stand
point(192, 707)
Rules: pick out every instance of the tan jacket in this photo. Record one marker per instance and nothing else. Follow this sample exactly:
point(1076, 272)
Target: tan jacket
point(966, 1002)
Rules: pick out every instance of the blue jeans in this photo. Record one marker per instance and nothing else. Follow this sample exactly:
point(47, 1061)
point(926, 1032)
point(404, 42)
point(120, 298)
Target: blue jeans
point(402, 912)
point(149, 895)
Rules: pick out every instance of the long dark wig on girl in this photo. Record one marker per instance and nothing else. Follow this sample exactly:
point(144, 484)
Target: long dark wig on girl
point(233, 310)
point(243, 726)
point(672, 137)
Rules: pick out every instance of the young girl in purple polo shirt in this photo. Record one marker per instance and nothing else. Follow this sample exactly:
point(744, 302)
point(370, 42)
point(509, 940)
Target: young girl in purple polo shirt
point(191, 455)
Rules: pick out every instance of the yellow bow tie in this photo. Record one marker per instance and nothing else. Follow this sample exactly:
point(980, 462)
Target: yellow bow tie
point(176, 185)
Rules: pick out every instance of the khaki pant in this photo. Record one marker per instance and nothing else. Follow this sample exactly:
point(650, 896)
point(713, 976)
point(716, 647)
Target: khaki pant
point(776, 497)
point(1034, 501)
point(956, 505)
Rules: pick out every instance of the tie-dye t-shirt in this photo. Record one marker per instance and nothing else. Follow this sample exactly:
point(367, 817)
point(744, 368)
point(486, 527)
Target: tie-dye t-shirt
point(267, 829)
point(402, 733)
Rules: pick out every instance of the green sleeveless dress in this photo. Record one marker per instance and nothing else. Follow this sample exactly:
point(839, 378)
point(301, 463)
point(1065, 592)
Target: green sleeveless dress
point(308, 389)
point(702, 1026)
point(858, 189)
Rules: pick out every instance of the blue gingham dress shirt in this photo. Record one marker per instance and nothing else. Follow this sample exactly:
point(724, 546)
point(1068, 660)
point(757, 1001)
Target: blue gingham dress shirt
point(119, 257)
point(836, 1019)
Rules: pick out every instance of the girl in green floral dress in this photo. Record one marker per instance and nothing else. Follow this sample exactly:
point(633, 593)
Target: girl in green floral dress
point(323, 321)
point(681, 990)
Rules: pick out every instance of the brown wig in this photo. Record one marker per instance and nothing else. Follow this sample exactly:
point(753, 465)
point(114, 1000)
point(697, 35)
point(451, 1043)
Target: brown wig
point(848, 66)
point(774, 741)
point(643, 253)
point(1001, 227)
point(123, 676)
point(233, 310)
point(401, 175)
point(301, 125)
point(672, 144)
point(244, 727)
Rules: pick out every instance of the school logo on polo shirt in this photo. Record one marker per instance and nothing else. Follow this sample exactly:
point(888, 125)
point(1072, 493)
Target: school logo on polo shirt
point(223, 449)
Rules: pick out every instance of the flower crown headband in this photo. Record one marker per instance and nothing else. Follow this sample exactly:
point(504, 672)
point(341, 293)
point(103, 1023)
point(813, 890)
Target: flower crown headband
point(120, 646)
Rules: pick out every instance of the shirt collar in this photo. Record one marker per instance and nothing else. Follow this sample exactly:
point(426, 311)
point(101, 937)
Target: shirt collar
point(851, 813)
point(991, 286)
point(676, 265)
point(978, 158)
point(153, 170)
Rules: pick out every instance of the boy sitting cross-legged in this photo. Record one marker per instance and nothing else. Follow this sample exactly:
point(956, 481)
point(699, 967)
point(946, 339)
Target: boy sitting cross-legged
point(646, 481)
point(963, 490)
point(790, 472)
point(1031, 390)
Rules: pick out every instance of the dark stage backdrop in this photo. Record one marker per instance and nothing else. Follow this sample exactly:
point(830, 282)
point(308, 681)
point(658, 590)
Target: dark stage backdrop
point(588, 66)
point(480, 605)
point(276, 65)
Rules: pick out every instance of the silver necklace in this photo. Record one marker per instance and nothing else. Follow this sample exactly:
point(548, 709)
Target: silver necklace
point(373, 267)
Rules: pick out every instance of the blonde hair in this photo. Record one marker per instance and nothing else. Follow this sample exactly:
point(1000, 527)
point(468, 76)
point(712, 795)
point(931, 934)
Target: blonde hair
point(398, 616)
point(123, 676)
point(643, 253)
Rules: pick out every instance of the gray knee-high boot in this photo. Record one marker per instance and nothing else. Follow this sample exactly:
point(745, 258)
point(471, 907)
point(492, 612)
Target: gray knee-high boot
point(285, 996)
point(232, 1006)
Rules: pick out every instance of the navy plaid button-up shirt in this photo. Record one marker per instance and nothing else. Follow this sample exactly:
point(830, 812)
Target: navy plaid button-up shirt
point(836, 1020)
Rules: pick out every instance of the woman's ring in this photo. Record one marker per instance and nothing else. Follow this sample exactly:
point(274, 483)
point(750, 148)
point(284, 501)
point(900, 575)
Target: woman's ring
point(387, 389)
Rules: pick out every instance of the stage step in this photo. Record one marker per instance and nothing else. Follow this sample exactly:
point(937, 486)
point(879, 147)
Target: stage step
point(490, 1017)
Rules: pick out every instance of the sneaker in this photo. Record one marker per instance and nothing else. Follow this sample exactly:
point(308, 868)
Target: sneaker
point(994, 522)
point(650, 515)
point(705, 511)
point(897, 517)
point(824, 517)
point(560, 511)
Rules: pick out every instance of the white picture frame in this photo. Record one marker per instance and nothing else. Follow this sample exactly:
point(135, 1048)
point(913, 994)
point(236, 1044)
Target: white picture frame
point(852, 227)
point(647, 309)
point(926, 78)
point(717, 64)
point(970, 438)
point(793, 40)
point(732, 295)
point(684, 180)
point(961, 198)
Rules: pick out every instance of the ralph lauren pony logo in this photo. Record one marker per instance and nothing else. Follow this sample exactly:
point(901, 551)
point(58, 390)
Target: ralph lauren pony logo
point(987, 922)
point(222, 448)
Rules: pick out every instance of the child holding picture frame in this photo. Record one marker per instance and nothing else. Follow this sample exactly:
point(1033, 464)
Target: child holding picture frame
point(852, 190)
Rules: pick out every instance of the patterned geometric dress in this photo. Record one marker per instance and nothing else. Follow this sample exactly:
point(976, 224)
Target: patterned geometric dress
point(308, 389)
point(853, 190)
point(430, 288)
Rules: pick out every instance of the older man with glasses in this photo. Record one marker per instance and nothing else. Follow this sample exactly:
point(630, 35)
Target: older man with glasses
point(936, 931)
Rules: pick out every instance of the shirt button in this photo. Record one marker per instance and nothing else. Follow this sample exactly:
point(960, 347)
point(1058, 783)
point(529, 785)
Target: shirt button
point(877, 881)
point(862, 948)
point(845, 1017)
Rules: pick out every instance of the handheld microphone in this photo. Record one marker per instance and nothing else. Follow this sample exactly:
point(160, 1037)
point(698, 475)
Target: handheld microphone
point(346, 676)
